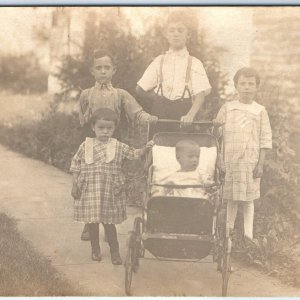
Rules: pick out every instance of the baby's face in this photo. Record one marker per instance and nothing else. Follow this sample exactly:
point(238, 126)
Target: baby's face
point(188, 158)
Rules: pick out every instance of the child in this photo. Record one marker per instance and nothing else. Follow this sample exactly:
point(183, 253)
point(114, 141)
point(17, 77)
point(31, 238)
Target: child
point(103, 94)
point(187, 155)
point(175, 84)
point(98, 182)
point(246, 136)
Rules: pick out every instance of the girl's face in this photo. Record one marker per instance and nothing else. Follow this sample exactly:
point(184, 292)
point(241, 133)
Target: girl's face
point(104, 130)
point(176, 35)
point(103, 70)
point(246, 88)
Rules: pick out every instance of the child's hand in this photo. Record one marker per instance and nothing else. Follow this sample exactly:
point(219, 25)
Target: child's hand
point(76, 193)
point(153, 119)
point(186, 120)
point(150, 144)
point(258, 171)
point(216, 123)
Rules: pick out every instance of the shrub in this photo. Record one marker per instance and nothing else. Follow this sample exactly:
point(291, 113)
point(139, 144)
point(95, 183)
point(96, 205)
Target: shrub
point(22, 74)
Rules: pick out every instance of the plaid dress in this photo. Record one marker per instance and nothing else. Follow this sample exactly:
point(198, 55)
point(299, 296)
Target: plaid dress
point(246, 130)
point(101, 184)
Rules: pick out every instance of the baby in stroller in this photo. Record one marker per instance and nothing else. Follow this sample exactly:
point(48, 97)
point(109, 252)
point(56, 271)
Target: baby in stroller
point(188, 180)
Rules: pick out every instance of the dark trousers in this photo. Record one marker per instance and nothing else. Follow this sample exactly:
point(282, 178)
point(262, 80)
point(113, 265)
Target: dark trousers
point(164, 108)
point(111, 235)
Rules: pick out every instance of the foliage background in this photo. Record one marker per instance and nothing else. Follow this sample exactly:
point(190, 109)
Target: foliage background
point(55, 137)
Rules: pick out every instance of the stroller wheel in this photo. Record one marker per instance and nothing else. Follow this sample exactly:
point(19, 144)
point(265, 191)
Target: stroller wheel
point(131, 262)
point(226, 266)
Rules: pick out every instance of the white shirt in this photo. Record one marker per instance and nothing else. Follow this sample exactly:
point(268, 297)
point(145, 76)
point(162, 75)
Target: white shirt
point(174, 75)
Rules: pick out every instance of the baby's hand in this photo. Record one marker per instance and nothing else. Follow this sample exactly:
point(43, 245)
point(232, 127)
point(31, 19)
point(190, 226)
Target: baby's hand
point(76, 193)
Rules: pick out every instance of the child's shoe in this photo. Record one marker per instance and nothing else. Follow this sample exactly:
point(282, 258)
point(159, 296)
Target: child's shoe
point(96, 255)
point(116, 258)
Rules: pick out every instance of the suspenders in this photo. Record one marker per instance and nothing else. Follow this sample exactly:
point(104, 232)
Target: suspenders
point(187, 77)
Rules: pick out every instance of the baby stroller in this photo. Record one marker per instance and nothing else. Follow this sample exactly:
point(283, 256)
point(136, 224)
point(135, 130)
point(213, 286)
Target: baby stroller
point(176, 228)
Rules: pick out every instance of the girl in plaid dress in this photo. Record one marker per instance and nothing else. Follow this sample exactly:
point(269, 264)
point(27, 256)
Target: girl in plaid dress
point(98, 182)
point(246, 136)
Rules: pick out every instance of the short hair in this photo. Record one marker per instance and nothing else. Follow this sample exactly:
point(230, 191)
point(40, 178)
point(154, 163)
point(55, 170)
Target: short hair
point(247, 72)
point(179, 16)
point(182, 144)
point(99, 53)
point(105, 114)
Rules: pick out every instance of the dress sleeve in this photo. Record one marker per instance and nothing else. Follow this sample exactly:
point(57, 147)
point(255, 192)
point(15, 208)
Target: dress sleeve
point(76, 160)
point(130, 152)
point(265, 131)
point(149, 79)
point(83, 107)
point(199, 80)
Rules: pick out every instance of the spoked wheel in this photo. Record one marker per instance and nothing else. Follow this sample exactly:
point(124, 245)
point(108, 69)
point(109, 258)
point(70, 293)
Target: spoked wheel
point(138, 249)
point(226, 266)
point(128, 270)
point(223, 250)
point(133, 254)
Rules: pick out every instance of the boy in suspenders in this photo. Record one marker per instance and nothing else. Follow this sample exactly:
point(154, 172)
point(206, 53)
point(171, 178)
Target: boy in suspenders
point(174, 84)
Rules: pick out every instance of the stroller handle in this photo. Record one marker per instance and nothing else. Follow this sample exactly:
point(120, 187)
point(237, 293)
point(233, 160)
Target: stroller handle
point(164, 121)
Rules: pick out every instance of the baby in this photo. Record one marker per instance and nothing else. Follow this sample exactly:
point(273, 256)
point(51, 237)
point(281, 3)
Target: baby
point(187, 155)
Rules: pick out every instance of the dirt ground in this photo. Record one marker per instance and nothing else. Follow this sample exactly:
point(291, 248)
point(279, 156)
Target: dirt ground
point(38, 196)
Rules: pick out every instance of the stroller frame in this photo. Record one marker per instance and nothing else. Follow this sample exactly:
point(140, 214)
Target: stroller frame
point(192, 241)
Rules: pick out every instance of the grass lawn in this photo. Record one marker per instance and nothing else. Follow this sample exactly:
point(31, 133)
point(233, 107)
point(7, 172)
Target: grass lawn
point(23, 271)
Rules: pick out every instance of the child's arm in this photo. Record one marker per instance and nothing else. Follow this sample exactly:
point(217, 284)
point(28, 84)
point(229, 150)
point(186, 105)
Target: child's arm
point(76, 193)
point(75, 170)
point(265, 143)
point(132, 153)
point(134, 110)
point(197, 104)
point(221, 117)
point(258, 170)
point(83, 108)
point(148, 95)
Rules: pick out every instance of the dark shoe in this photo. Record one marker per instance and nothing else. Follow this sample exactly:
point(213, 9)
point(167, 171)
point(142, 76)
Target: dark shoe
point(116, 259)
point(96, 256)
point(85, 236)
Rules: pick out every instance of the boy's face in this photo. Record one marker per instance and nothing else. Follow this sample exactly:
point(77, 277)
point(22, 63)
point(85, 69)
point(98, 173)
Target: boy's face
point(188, 158)
point(104, 129)
point(246, 88)
point(176, 35)
point(103, 70)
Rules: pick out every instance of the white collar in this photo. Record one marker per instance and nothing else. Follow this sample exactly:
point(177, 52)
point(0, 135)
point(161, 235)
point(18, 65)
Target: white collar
point(110, 152)
point(104, 86)
point(253, 108)
point(182, 52)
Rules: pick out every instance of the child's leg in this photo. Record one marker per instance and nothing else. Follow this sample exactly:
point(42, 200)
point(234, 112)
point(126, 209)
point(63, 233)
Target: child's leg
point(85, 235)
point(111, 234)
point(232, 207)
point(94, 235)
point(248, 211)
